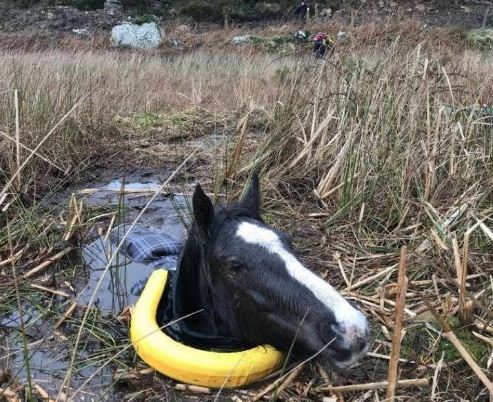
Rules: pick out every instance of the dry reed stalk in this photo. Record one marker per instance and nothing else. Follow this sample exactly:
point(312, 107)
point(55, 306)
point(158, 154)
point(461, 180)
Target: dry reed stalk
point(337, 257)
point(17, 140)
point(47, 263)
point(66, 314)
point(307, 148)
point(70, 229)
point(110, 228)
point(36, 149)
point(43, 394)
point(324, 187)
point(13, 258)
point(9, 395)
point(76, 212)
point(489, 341)
point(487, 231)
point(49, 290)
point(289, 379)
point(372, 277)
point(465, 313)
point(385, 357)
point(30, 150)
point(193, 389)
point(483, 326)
point(434, 385)
point(278, 382)
point(399, 315)
point(417, 382)
point(236, 155)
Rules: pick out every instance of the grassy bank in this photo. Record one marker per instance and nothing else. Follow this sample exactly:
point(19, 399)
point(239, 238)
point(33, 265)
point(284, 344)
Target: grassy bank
point(387, 144)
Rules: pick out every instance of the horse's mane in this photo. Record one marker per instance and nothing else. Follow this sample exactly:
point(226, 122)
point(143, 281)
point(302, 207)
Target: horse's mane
point(189, 291)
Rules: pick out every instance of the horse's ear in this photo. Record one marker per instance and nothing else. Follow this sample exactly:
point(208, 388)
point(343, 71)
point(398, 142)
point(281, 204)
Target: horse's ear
point(203, 211)
point(251, 199)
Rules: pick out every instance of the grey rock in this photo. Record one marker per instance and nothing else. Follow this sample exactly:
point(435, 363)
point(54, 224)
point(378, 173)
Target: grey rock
point(241, 40)
point(145, 36)
point(343, 37)
point(83, 33)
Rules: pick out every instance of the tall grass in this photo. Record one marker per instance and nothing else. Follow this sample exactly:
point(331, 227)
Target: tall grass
point(376, 137)
point(50, 83)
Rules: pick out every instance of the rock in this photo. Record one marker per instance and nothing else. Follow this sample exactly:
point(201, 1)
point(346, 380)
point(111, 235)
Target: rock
point(174, 42)
point(83, 33)
point(466, 9)
point(241, 40)
point(420, 7)
point(301, 35)
point(343, 37)
point(145, 36)
point(326, 12)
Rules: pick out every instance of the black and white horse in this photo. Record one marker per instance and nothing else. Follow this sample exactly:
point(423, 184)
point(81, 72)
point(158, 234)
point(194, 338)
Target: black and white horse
point(248, 285)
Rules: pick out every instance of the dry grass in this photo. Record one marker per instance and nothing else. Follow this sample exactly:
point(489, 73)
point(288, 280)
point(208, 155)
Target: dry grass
point(379, 148)
point(51, 82)
point(374, 153)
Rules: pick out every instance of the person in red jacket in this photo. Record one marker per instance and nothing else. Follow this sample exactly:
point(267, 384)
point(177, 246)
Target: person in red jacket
point(320, 44)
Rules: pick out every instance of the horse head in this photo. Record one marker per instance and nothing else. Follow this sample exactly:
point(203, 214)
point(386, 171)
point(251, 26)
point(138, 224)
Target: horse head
point(248, 284)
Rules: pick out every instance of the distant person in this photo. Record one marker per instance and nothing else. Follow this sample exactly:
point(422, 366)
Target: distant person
point(301, 10)
point(320, 42)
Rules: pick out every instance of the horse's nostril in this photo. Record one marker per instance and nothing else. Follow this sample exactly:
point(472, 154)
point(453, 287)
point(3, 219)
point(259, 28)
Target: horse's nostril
point(359, 344)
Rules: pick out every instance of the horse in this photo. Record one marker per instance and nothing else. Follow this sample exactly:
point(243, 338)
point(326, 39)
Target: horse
point(242, 284)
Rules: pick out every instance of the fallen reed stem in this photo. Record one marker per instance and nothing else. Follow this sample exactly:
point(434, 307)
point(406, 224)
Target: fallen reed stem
point(399, 315)
point(417, 382)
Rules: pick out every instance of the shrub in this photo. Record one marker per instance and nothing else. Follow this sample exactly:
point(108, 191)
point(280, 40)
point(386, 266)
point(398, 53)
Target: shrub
point(201, 10)
point(481, 39)
point(88, 4)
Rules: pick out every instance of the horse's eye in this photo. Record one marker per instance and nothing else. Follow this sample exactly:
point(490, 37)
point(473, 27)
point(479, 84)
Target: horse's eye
point(236, 265)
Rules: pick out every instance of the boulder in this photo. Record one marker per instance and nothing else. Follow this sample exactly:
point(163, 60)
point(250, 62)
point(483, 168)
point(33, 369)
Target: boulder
point(241, 40)
point(343, 37)
point(145, 36)
point(82, 32)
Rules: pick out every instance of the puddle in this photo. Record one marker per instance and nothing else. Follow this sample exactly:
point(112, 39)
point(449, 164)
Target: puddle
point(125, 278)
point(48, 363)
point(49, 350)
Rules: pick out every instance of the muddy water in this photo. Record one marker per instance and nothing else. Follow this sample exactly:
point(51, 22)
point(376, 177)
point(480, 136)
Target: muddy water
point(125, 278)
point(50, 351)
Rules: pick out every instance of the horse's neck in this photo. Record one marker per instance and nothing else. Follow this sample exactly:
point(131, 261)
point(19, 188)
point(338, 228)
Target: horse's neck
point(192, 290)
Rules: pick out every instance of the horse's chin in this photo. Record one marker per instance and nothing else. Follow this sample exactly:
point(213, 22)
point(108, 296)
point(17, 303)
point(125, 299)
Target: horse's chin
point(328, 362)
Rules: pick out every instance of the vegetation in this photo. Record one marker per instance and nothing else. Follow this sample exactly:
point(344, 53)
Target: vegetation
point(481, 39)
point(380, 146)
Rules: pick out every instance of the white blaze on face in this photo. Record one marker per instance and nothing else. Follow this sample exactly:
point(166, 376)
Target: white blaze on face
point(352, 321)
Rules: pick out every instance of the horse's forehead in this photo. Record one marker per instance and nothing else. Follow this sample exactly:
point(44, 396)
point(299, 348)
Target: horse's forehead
point(260, 235)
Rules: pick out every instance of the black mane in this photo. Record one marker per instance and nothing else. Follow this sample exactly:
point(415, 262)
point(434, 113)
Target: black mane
point(188, 291)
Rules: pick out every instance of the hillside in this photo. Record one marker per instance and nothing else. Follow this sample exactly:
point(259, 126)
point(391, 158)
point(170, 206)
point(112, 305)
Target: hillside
point(94, 15)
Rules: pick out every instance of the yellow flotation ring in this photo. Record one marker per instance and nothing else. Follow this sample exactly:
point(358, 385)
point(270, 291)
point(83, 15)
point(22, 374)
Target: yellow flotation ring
point(187, 364)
